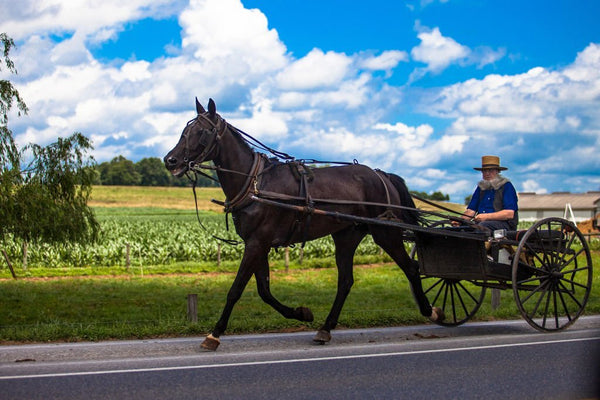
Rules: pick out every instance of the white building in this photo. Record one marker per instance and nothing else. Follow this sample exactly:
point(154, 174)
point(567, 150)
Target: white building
point(534, 207)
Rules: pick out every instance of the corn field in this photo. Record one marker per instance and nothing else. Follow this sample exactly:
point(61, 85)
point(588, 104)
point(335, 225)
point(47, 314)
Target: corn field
point(157, 238)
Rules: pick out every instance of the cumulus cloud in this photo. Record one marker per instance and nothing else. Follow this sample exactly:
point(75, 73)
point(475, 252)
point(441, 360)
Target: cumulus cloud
point(344, 102)
point(538, 101)
point(385, 61)
point(315, 70)
point(438, 52)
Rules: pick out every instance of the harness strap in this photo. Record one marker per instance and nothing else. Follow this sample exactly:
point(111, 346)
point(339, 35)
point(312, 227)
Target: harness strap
point(250, 186)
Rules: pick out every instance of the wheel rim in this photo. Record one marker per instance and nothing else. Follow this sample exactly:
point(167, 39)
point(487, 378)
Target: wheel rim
point(459, 300)
point(552, 289)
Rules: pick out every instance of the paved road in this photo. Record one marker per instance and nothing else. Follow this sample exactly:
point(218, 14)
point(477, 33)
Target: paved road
point(501, 360)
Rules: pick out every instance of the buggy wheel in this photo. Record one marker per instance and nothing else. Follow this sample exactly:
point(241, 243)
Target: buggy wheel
point(459, 299)
point(552, 274)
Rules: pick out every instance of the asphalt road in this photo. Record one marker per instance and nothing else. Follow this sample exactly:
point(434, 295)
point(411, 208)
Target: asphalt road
point(500, 360)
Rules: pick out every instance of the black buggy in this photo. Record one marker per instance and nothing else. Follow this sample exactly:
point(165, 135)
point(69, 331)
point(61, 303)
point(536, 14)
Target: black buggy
point(548, 267)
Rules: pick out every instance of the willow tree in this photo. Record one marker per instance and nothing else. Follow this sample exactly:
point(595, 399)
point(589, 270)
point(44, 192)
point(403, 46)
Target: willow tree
point(44, 190)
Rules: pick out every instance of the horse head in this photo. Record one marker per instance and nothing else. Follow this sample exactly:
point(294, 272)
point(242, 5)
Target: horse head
point(198, 142)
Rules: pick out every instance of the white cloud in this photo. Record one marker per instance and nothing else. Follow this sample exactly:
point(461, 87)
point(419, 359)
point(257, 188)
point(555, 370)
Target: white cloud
point(32, 17)
point(315, 70)
point(438, 51)
point(457, 187)
point(225, 35)
point(532, 185)
point(385, 61)
point(538, 101)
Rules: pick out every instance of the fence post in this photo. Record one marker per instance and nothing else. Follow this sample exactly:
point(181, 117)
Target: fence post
point(218, 255)
point(287, 259)
point(25, 246)
point(495, 298)
point(192, 307)
point(127, 253)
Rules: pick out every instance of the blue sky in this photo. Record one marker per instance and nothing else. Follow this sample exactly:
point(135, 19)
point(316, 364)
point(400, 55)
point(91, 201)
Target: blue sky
point(419, 88)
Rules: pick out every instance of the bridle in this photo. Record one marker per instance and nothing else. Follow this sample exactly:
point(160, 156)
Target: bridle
point(209, 138)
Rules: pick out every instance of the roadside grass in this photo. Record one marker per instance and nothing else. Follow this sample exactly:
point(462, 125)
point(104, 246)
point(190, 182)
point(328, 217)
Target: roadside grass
point(125, 307)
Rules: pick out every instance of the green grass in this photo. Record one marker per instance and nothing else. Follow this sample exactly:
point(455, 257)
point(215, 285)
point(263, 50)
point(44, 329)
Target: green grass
point(72, 309)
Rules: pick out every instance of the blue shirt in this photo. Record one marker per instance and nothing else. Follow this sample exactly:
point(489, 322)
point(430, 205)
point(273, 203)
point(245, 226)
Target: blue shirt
point(486, 205)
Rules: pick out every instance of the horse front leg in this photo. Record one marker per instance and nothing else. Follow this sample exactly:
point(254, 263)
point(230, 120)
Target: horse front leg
point(245, 271)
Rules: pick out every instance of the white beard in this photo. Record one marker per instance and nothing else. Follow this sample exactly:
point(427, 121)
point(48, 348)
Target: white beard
point(495, 183)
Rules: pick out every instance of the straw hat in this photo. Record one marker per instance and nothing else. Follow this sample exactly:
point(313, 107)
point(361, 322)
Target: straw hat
point(490, 162)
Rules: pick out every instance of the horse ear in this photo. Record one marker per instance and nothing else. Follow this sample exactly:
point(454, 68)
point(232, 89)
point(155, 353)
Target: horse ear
point(212, 108)
point(199, 107)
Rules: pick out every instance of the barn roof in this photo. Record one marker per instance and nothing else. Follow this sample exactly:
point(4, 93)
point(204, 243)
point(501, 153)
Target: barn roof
point(558, 200)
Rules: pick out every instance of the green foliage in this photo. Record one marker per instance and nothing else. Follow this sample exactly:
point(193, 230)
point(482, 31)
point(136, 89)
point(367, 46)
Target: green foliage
point(153, 172)
point(119, 171)
point(47, 201)
point(148, 171)
point(9, 153)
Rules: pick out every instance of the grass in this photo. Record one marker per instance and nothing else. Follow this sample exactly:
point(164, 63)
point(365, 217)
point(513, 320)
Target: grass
point(173, 198)
point(132, 306)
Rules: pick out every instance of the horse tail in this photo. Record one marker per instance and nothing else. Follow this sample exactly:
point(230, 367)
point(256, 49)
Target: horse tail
point(410, 216)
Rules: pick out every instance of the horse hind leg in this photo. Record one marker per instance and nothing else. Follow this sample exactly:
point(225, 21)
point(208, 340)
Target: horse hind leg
point(346, 243)
point(391, 242)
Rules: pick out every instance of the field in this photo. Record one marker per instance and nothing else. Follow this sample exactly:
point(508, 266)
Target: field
point(152, 253)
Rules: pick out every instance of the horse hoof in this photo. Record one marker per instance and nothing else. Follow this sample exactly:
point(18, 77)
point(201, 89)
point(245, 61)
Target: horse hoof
point(322, 337)
point(211, 343)
point(437, 315)
point(304, 314)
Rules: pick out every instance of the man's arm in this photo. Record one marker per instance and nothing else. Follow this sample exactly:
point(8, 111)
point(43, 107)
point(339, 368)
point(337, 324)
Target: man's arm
point(502, 215)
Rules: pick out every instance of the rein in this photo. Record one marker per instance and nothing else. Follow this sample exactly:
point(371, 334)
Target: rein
point(250, 192)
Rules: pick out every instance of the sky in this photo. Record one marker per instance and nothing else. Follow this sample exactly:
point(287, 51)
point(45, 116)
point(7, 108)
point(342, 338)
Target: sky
point(420, 88)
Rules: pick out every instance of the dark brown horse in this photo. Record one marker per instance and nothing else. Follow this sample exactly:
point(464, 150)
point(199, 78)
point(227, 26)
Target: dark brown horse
point(244, 173)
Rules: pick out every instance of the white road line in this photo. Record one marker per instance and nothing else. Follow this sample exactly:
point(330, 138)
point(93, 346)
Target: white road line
point(297, 360)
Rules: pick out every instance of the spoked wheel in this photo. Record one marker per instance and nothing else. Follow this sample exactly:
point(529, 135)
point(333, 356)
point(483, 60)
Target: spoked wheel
point(459, 299)
point(552, 274)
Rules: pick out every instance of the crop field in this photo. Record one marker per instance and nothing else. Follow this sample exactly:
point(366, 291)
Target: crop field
point(137, 235)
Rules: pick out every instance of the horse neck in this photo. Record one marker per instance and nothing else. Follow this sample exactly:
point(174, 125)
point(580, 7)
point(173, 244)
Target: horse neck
point(234, 155)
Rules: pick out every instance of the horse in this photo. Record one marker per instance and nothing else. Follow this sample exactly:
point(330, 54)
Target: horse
point(245, 175)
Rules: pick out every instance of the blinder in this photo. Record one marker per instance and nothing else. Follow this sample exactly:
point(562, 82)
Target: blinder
point(208, 140)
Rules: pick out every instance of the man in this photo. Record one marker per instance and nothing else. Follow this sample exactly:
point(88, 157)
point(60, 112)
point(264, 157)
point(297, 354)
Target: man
point(494, 202)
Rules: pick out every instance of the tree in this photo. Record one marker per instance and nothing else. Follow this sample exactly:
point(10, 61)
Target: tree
point(153, 172)
point(46, 199)
point(119, 171)
point(9, 153)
